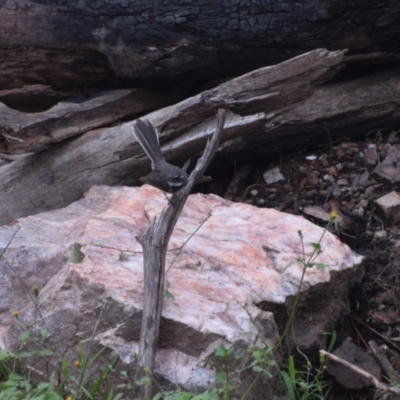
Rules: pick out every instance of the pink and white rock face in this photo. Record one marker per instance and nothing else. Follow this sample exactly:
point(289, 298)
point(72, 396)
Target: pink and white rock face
point(224, 260)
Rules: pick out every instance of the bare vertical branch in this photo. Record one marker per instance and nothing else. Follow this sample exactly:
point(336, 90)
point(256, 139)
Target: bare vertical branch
point(155, 242)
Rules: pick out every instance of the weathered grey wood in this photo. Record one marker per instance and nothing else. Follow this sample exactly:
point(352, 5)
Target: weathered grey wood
point(60, 174)
point(155, 243)
point(346, 109)
point(23, 132)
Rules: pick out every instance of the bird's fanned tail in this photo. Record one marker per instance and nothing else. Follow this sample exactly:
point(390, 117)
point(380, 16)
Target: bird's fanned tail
point(147, 136)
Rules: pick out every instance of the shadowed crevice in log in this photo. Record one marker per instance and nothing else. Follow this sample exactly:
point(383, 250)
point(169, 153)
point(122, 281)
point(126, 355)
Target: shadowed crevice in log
point(36, 77)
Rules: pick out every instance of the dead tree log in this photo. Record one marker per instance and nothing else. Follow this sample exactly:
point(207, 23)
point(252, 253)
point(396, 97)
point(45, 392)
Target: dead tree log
point(50, 49)
point(22, 132)
point(60, 174)
point(350, 109)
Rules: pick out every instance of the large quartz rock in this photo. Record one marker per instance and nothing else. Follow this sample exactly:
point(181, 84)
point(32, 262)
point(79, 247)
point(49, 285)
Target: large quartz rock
point(226, 263)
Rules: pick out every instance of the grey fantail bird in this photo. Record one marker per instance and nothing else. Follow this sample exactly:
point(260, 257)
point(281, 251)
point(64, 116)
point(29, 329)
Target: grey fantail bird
point(164, 176)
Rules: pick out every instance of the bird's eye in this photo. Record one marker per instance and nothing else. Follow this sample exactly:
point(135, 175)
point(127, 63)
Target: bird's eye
point(176, 178)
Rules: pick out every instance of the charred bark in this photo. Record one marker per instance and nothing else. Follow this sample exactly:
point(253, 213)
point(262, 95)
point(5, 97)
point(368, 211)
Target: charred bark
point(71, 47)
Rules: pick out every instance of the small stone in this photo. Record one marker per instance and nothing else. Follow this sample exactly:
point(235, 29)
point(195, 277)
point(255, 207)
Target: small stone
point(329, 178)
point(389, 205)
point(325, 162)
point(380, 234)
point(333, 170)
point(339, 152)
point(348, 145)
point(368, 191)
point(355, 356)
point(288, 188)
point(371, 155)
point(342, 182)
point(351, 151)
point(311, 158)
point(387, 172)
point(393, 137)
point(318, 213)
point(360, 179)
point(358, 209)
point(336, 192)
point(311, 193)
point(364, 203)
point(392, 155)
point(312, 178)
point(273, 175)
point(350, 166)
point(385, 149)
point(324, 192)
point(387, 317)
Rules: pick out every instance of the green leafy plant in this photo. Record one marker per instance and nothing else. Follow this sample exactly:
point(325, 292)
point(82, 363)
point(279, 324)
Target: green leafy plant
point(306, 263)
point(379, 137)
point(15, 368)
point(17, 387)
point(305, 383)
point(308, 382)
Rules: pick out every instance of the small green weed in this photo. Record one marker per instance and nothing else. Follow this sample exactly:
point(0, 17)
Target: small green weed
point(307, 383)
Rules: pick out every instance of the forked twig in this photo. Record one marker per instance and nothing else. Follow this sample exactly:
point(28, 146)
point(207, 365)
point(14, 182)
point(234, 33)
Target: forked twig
point(155, 242)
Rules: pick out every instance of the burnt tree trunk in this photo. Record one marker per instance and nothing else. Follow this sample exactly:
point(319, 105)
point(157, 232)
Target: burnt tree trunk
point(51, 49)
